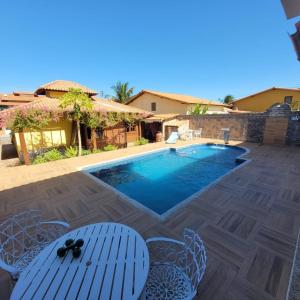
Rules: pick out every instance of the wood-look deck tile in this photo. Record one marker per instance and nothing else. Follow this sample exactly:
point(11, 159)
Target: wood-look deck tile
point(277, 241)
point(249, 220)
point(237, 223)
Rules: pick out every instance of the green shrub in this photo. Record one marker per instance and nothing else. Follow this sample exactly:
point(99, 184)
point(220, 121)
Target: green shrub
point(39, 160)
point(86, 152)
point(53, 154)
point(110, 147)
point(71, 152)
point(141, 141)
point(97, 151)
point(50, 155)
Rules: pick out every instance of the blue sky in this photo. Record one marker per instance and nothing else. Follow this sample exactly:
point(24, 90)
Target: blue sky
point(202, 48)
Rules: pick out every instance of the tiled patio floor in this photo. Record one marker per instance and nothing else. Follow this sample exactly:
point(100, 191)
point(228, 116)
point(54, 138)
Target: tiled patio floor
point(249, 220)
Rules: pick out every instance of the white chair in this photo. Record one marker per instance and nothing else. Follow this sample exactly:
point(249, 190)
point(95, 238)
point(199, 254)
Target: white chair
point(176, 268)
point(23, 236)
point(198, 133)
point(190, 134)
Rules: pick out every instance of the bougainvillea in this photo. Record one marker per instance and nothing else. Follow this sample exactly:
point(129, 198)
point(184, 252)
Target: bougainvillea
point(25, 117)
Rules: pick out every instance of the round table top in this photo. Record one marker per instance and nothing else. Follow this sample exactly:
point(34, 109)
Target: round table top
point(114, 264)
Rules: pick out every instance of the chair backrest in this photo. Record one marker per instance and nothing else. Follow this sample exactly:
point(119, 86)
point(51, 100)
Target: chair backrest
point(195, 257)
point(18, 234)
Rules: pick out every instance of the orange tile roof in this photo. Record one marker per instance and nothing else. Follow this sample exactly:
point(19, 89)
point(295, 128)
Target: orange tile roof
point(267, 90)
point(63, 86)
point(179, 97)
point(100, 105)
point(118, 107)
point(17, 98)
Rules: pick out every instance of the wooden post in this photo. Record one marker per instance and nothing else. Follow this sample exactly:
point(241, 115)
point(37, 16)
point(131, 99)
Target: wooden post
point(125, 131)
point(139, 129)
point(24, 148)
point(93, 138)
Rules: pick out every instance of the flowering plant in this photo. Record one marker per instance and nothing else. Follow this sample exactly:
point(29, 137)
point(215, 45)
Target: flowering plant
point(27, 118)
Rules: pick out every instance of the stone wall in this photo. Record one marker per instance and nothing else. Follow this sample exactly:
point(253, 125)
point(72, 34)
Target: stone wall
point(275, 130)
point(293, 130)
point(255, 128)
point(276, 126)
point(243, 127)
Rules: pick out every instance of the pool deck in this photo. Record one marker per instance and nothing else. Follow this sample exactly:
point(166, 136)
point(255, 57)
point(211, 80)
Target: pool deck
point(249, 220)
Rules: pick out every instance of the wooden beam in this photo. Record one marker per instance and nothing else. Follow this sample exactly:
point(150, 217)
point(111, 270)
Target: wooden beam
point(24, 148)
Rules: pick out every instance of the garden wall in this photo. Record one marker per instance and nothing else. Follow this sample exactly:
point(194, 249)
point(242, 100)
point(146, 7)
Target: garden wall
point(276, 126)
point(243, 127)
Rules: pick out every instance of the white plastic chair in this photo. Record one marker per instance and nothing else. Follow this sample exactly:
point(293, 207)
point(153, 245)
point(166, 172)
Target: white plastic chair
point(23, 236)
point(176, 268)
point(198, 133)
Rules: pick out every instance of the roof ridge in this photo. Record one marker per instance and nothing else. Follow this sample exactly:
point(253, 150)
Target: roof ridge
point(176, 97)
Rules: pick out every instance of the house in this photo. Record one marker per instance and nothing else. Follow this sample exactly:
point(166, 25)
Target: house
point(166, 107)
point(15, 99)
point(261, 101)
point(63, 132)
point(167, 103)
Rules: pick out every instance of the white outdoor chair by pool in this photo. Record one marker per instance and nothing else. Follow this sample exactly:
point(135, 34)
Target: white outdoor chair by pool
point(23, 236)
point(198, 133)
point(176, 268)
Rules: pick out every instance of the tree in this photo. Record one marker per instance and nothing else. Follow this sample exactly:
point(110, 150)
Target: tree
point(94, 120)
point(122, 92)
point(198, 109)
point(102, 94)
point(228, 99)
point(77, 102)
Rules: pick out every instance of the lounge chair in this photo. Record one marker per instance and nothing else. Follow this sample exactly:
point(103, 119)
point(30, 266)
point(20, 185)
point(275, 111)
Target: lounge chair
point(172, 138)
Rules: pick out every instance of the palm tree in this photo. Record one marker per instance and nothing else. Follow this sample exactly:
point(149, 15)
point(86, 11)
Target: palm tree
point(77, 101)
point(228, 99)
point(122, 92)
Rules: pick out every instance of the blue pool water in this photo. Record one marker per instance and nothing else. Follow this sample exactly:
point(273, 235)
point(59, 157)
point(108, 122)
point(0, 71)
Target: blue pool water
point(163, 179)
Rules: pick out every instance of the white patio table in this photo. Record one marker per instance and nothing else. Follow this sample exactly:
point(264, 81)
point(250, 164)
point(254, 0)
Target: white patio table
point(114, 264)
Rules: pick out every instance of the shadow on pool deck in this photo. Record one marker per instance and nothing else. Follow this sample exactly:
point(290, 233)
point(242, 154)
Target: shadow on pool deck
point(249, 220)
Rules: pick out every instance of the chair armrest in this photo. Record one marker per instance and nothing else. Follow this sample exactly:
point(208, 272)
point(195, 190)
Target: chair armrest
point(166, 251)
point(163, 239)
point(57, 223)
point(51, 230)
point(9, 268)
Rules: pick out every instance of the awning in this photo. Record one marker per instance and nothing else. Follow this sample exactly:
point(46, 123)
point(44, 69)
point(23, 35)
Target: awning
point(161, 118)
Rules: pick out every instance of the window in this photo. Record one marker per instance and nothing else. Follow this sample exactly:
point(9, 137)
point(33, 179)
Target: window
point(288, 99)
point(153, 106)
point(130, 127)
point(99, 133)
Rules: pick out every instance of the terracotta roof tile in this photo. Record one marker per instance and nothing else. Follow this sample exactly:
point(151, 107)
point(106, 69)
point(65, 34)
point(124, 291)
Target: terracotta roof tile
point(267, 90)
point(178, 97)
point(118, 107)
point(100, 105)
point(16, 99)
point(63, 86)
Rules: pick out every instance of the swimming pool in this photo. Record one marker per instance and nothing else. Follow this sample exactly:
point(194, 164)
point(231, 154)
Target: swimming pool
point(162, 180)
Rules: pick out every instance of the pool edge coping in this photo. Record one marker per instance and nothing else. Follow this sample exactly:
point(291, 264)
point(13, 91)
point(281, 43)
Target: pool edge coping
point(168, 213)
